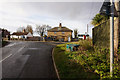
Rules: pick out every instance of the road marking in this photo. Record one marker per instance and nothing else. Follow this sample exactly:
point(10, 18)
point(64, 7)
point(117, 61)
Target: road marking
point(11, 54)
point(34, 48)
point(5, 58)
point(12, 44)
point(20, 49)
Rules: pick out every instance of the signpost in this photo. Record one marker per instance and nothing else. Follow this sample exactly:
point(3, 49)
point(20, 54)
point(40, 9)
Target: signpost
point(108, 9)
point(112, 38)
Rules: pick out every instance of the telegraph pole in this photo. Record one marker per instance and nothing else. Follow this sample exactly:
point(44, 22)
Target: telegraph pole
point(112, 38)
point(87, 28)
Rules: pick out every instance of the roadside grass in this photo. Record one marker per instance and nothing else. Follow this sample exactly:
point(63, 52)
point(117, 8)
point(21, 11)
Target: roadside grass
point(89, 62)
point(68, 68)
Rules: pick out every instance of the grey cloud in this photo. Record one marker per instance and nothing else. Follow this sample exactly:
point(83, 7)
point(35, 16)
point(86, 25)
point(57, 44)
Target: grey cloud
point(63, 10)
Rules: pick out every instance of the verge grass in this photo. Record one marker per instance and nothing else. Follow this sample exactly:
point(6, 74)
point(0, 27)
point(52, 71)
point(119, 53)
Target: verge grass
point(68, 68)
point(89, 62)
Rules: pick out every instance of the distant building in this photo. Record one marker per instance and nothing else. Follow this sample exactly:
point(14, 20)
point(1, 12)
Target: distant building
point(83, 36)
point(60, 33)
point(5, 34)
point(29, 35)
point(21, 35)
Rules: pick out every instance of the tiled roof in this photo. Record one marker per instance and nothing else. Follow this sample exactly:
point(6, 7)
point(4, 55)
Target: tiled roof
point(58, 29)
point(20, 33)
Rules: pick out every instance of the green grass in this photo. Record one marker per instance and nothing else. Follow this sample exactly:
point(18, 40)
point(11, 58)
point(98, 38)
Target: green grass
point(68, 68)
point(88, 62)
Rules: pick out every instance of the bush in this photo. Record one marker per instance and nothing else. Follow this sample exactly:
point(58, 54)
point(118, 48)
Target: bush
point(94, 59)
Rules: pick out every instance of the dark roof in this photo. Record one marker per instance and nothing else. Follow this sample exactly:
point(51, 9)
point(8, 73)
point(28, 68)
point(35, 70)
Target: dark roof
point(58, 29)
point(80, 35)
point(19, 33)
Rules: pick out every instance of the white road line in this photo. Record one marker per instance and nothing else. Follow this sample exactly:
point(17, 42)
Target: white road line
point(11, 54)
point(20, 49)
point(34, 48)
point(12, 44)
point(5, 58)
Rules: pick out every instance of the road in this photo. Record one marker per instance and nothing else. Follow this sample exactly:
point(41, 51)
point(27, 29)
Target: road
point(28, 60)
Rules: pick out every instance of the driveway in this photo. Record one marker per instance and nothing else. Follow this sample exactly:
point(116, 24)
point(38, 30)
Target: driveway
point(28, 60)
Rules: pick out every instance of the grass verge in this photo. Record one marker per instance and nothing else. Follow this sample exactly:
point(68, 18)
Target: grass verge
point(68, 68)
point(88, 62)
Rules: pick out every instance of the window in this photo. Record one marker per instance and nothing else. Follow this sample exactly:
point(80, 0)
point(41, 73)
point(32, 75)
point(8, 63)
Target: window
point(54, 32)
point(63, 32)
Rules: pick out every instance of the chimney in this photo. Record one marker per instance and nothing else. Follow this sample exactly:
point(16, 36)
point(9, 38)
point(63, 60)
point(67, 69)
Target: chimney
point(60, 25)
point(23, 30)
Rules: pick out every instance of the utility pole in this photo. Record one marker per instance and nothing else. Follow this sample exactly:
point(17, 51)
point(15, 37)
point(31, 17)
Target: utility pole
point(112, 38)
point(87, 28)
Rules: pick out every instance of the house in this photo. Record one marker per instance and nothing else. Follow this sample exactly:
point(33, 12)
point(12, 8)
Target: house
point(29, 35)
point(21, 35)
point(60, 33)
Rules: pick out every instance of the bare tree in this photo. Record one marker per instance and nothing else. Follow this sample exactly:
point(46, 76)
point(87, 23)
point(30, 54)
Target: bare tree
point(21, 29)
point(41, 30)
point(29, 29)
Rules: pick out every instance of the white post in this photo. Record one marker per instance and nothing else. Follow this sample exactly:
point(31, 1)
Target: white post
point(112, 38)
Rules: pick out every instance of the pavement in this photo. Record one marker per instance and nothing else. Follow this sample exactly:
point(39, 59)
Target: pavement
point(28, 60)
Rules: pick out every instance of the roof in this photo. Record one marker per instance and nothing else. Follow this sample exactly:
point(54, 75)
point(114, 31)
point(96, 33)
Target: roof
point(60, 29)
point(29, 34)
point(80, 35)
point(19, 33)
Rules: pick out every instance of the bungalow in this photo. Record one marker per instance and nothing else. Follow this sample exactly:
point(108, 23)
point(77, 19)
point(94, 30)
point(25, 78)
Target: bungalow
point(60, 33)
point(21, 35)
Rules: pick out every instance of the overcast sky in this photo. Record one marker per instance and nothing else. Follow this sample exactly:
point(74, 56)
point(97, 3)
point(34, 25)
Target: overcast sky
point(74, 15)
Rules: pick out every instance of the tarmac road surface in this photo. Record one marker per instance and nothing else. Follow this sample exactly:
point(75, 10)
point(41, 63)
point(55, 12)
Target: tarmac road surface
point(28, 60)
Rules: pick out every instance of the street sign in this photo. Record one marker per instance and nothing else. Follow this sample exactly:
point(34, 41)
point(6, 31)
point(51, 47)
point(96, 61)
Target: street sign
point(106, 9)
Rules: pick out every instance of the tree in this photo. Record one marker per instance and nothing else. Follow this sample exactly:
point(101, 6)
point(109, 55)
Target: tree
point(21, 29)
point(75, 32)
point(41, 30)
point(98, 19)
point(29, 29)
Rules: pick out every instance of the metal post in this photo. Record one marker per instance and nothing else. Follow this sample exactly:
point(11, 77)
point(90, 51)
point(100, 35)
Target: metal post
point(87, 28)
point(112, 38)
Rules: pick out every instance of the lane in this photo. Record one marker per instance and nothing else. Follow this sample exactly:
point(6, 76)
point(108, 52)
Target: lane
point(12, 48)
point(6, 58)
point(12, 66)
point(30, 60)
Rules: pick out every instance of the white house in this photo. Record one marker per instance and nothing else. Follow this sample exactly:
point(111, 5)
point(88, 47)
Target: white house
point(29, 35)
point(19, 35)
